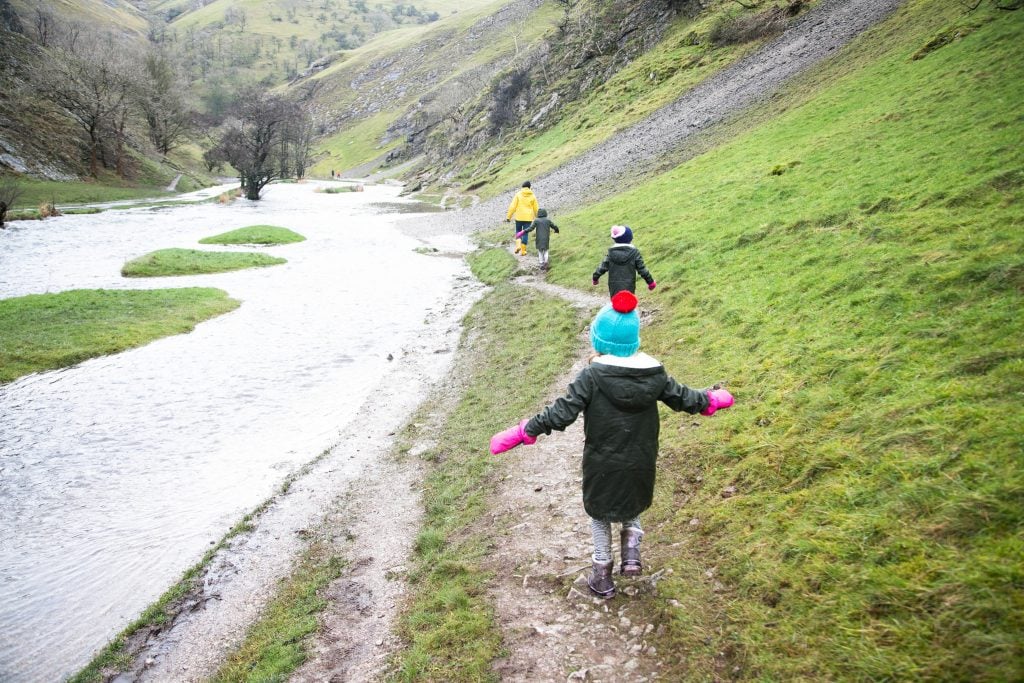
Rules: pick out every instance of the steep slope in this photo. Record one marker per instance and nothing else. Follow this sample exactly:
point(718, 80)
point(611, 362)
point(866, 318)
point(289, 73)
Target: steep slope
point(852, 267)
point(393, 90)
point(666, 133)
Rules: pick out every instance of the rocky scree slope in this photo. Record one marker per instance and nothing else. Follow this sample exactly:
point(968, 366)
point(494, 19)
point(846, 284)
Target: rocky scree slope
point(665, 135)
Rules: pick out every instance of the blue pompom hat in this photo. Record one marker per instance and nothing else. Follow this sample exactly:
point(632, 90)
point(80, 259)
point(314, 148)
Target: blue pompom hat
point(621, 234)
point(616, 329)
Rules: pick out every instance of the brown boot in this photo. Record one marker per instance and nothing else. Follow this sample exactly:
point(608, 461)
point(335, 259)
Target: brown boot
point(630, 538)
point(600, 580)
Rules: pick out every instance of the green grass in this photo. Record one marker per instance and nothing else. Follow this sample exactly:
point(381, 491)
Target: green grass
point(255, 234)
point(275, 645)
point(852, 265)
point(164, 262)
point(355, 145)
point(492, 265)
point(36, 192)
point(449, 626)
point(47, 331)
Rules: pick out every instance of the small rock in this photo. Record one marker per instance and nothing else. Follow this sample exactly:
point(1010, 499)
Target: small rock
point(380, 641)
point(635, 631)
point(695, 522)
point(631, 665)
point(150, 662)
point(630, 590)
point(728, 492)
point(538, 488)
point(390, 357)
point(675, 603)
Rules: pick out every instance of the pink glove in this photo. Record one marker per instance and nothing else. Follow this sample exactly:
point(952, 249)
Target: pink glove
point(519, 234)
point(594, 283)
point(652, 285)
point(717, 399)
point(510, 438)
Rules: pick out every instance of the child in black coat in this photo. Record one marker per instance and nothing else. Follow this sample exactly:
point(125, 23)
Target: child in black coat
point(618, 394)
point(622, 263)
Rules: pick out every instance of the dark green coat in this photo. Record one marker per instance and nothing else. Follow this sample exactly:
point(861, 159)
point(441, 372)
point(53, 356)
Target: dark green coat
point(620, 422)
point(622, 264)
point(543, 225)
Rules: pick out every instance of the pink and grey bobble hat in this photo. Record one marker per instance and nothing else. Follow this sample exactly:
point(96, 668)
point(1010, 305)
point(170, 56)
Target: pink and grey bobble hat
point(621, 234)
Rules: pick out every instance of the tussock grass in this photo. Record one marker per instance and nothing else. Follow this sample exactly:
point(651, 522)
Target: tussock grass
point(165, 262)
point(47, 331)
point(493, 265)
point(852, 266)
point(255, 234)
point(449, 625)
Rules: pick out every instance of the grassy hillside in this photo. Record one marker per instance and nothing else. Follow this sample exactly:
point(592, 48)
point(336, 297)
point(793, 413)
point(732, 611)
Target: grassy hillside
point(118, 16)
point(852, 267)
point(415, 75)
point(686, 56)
point(275, 41)
point(584, 76)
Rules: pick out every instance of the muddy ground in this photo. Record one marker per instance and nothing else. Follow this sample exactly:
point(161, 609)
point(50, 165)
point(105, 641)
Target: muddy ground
point(553, 629)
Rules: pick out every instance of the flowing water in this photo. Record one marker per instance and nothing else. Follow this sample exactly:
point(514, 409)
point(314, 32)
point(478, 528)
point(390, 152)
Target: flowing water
point(117, 474)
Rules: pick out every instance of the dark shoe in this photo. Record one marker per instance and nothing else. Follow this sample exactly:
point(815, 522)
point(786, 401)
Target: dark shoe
point(631, 552)
point(600, 580)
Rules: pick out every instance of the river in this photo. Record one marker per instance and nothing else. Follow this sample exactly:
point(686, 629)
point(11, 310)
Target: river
point(117, 474)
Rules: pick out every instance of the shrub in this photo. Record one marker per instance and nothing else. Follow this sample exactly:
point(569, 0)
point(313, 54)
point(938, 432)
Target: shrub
point(733, 29)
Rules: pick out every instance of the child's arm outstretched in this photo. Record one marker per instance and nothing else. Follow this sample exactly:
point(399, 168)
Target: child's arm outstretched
point(528, 228)
point(559, 415)
point(681, 397)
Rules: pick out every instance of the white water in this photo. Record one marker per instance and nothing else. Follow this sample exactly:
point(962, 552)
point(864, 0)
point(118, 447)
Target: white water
point(116, 475)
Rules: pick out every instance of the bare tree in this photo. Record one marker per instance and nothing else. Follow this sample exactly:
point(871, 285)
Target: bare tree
point(44, 23)
point(163, 102)
point(300, 134)
point(10, 190)
point(91, 85)
point(253, 142)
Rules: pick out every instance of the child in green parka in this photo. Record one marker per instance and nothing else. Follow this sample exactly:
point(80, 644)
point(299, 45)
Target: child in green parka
point(543, 225)
point(618, 394)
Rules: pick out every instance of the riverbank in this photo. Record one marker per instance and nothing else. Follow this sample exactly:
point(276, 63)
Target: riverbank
point(97, 461)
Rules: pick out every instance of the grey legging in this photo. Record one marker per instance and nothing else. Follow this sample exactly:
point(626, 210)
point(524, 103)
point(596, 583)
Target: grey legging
point(602, 532)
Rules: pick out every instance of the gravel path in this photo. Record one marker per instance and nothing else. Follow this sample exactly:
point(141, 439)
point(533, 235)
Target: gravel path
point(639, 149)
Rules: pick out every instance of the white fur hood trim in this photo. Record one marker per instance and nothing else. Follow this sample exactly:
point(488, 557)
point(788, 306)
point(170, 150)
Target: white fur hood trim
point(638, 360)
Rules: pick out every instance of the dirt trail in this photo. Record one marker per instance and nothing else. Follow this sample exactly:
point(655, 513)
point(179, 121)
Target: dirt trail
point(670, 132)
